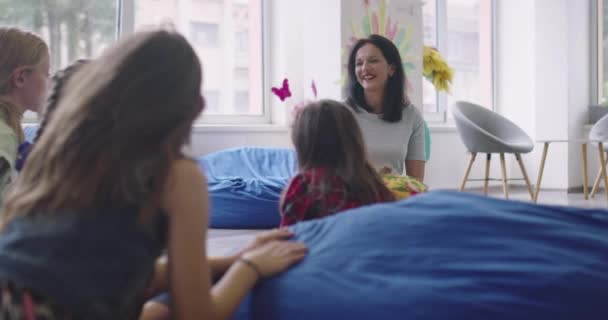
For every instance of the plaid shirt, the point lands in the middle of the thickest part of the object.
(316, 193)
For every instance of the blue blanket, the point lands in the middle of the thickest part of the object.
(445, 255)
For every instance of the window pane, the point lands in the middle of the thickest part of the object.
(603, 47)
(429, 20)
(73, 29)
(469, 51)
(227, 35)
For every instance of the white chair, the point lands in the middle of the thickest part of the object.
(485, 131)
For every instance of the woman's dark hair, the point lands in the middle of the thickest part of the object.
(326, 134)
(395, 99)
(60, 78)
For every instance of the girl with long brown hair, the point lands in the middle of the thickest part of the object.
(107, 188)
(335, 174)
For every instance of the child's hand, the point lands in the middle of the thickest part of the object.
(266, 237)
(275, 256)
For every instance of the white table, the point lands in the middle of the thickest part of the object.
(583, 143)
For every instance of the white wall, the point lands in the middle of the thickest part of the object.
(551, 100)
(515, 60)
(543, 80)
(579, 87)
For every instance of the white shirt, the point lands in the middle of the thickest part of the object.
(389, 144)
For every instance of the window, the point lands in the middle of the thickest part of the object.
(227, 35)
(601, 43)
(462, 32)
(73, 29)
(212, 101)
(205, 34)
(241, 42)
(241, 101)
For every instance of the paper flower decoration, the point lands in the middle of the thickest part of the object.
(378, 21)
(436, 70)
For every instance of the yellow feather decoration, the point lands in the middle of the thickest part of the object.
(436, 70)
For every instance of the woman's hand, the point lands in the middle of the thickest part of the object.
(274, 257)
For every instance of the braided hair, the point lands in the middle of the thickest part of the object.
(59, 81)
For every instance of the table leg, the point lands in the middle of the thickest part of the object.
(585, 181)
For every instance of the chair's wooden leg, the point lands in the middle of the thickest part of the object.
(585, 176)
(525, 174)
(603, 168)
(487, 175)
(503, 168)
(466, 175)
(596, 184)
(539, 179)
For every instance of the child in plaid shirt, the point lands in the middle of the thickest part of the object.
(335, 174)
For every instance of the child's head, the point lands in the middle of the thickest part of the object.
(326, 134)
(119, 125)
(60, 79)
(24, 69)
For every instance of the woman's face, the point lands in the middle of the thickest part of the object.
(35, 85)
(371, 68)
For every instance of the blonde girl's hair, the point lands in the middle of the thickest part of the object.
(19, 49)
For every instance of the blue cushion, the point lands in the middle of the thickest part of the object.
(245, 185)
(445, 255)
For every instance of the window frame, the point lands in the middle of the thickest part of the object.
(441, 34)
(126, 26)
(596, 51)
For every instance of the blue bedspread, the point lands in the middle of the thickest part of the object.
(445, 255)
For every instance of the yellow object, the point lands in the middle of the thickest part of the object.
(436, 70)
(403, 186)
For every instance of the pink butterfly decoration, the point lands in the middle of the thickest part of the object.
(314, 88)
(283, 92)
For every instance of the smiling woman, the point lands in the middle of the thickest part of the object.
(393, 129)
